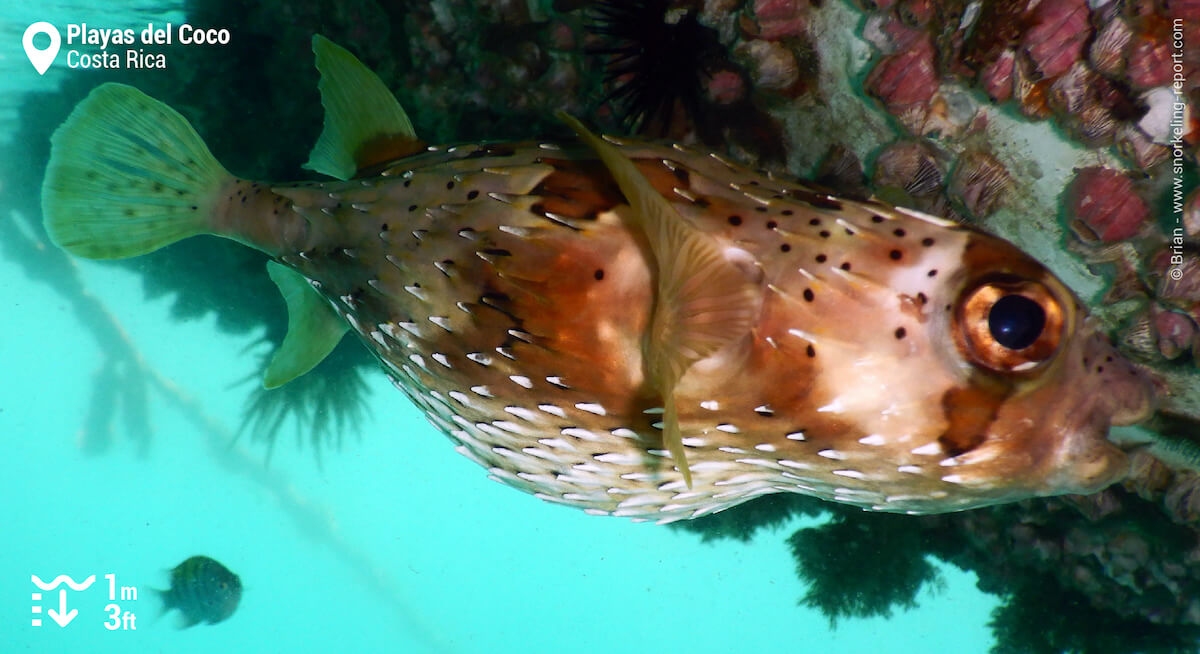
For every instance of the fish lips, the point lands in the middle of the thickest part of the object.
(1113, 391)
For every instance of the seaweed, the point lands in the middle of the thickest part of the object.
(862, 565)
(1040, 618)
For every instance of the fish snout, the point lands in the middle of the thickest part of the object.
(1125, 390)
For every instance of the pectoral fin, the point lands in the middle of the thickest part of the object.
(708, 296)
(314, 329)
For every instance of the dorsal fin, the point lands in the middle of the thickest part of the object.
(314, 329)
(705, 301)
(364, 124)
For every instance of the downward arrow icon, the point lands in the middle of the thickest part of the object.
(62, 616)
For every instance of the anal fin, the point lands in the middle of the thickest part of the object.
(314, 329)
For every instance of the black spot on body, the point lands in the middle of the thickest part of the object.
(809, 295)
(823, 234)
(815, 222)
(815, 200)
(785, 248)
(771, 224)
(901, 333)
(877, 219)
(449, 185)
(472, 195)
(845, 266)
(412, 207)
(735, 220)
(927, 242)
(898, 232)
(822, 258)
(599, 274)
(499, 150)
(895, 255)
(810, 351)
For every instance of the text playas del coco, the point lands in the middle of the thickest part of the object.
(184, 34)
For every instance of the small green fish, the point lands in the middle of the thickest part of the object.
(203, 590)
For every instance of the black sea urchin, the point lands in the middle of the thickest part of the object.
(326, 404)
(659, 58)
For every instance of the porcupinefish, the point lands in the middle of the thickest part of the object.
(634, 328)
(202, 590)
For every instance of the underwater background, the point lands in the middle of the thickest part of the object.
(392, 543)
(137, 436)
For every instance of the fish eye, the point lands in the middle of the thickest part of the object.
(1016, 321)
(1008, 325)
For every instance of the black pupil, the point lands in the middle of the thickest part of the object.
(1016, 321)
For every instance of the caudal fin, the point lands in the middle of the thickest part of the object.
(127, 175)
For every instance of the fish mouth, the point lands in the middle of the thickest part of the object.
(1110, 391)
(1124, 391)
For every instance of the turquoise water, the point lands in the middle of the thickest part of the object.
(395, 543)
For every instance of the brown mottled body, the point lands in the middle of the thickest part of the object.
(505, 292)
(631, 328)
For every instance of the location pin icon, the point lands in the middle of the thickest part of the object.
(41, 59)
